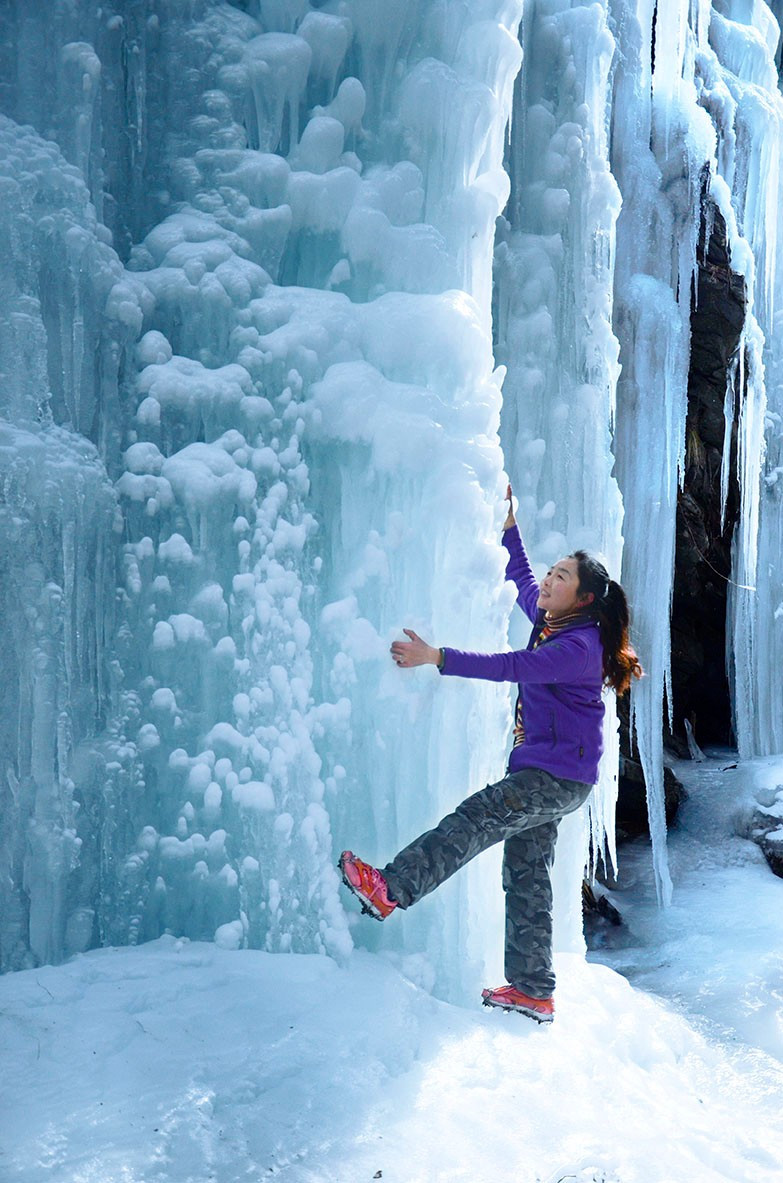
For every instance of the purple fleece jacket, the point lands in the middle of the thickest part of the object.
(560, 683)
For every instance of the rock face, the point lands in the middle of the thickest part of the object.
(631, 815)
(765, 826)
(703, 559)
(771, 843)
(600, 918)
(631, 818)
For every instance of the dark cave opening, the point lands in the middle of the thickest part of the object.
(700, 687)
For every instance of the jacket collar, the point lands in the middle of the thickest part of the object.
(577, 620)
(574, 620)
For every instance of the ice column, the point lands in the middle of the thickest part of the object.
(660, 141)
(555, 260)
(291, 383)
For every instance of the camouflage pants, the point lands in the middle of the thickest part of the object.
(523, 810)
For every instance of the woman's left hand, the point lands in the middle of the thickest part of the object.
(510, 518)
(414, 652)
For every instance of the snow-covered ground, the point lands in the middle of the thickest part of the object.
(177, 1062)
(717, 952)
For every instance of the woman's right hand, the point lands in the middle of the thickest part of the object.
(510, 519)
(414, 651)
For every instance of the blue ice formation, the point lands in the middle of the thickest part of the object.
(267, 356)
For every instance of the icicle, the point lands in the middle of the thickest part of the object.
(750, 436)
(646, 726)
(68, 545)
(277, 66)
(733, 389)
(603, 802)
(694, 750)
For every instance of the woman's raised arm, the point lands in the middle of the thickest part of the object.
(518, 567)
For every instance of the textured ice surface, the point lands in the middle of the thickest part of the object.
(252, 427)
(281, 392)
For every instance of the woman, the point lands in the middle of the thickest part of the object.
(578, 645)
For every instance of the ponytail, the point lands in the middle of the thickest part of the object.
(610, 609)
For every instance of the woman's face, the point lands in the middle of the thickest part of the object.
(559, 591)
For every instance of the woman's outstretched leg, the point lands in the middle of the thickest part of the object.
(479, 822)
(522, 800)
(487, 817)
(529, 797)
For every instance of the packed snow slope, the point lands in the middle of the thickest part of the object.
(186, 1062)
(178, 1062)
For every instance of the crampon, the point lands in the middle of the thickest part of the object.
(509, 998)
(367, 884)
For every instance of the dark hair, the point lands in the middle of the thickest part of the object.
(610, 608)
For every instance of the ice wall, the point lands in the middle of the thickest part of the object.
(63, 324)
(300, 424)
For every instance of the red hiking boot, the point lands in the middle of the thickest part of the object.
(509, 998)
(367, 884)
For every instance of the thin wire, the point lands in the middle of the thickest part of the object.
(733, 582)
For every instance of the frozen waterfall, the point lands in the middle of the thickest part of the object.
(277, 412)
(287, 288)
